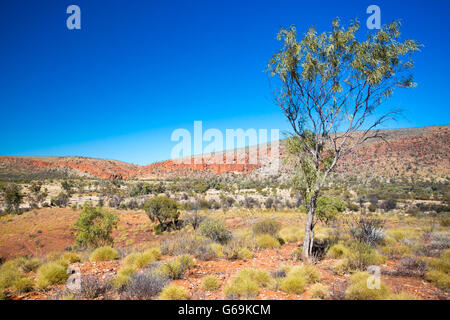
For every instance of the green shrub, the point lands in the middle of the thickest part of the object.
(139, 260)
(51, 273)
(293, 284)
(307, 272)
(267, 226)
(261, 277)
(8, 275)
(337, 251)
(210, 283)
(291, 234)
(22, 285)
(155, 252)
(71, 257)
(104, 254)
(94, 226)
(341, 267)
(359, 289)
(215, 230)
(442, 264)
(240, 287)
(122, 276)
(173, 292)
(30, 265)
(266, 241)
(439, 279)
(244, 254)
(319, 291)
(361, 255)
(163, 210)
(396, 251)
(174, 268)
(217, 249)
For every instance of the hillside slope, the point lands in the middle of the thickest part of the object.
(415, 151)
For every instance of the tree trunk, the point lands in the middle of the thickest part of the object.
(309, 234)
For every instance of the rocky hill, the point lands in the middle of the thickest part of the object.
(415, 151)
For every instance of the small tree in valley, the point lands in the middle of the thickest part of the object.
(94, 226)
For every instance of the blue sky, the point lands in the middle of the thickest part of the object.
(137, 70)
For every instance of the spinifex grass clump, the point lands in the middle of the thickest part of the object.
(51, 273)
(247, 283)
(210, 283)
(104, 254)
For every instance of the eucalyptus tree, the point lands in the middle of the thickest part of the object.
(331, 87)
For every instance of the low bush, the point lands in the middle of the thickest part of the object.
(361, 255)
(192, 244)
(104, 254)
(8, 275)
(341, 267)
(319, 291)
(293, 284)
(239, 288)
(360, 290)
(51, 273)
(139, 260)
(173, 292)
(91, 287)
(120, 280)
(267, 226)
(215, 230)
(217, 249)
(71, 257)
(403, 232)
(210, 283)
(291, 234)
(310, 273)
(266, 241)
(144, 286)
(30, 265)
(439, 279)
(396, 251)
(174, 269)
(337, 251)
(22, 285)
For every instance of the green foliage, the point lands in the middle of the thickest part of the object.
(140, 260)
(328, 208)
(51, 273)
(174, 268)
(94, 226)
(267, 226)
(71, 257)
(12, 196)
(361, 255)
(360, 290)
(215, 230)
(173, 292)
(104, 254)
(307, 272)
(439, 279)
(22, 285)
(319, 291)
(337, 251)
(162, 209)
(293, 284)
(266, 241)
(291, 234)
(122, 276)
(210, 283)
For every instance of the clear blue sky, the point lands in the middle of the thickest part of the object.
(137, 70)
